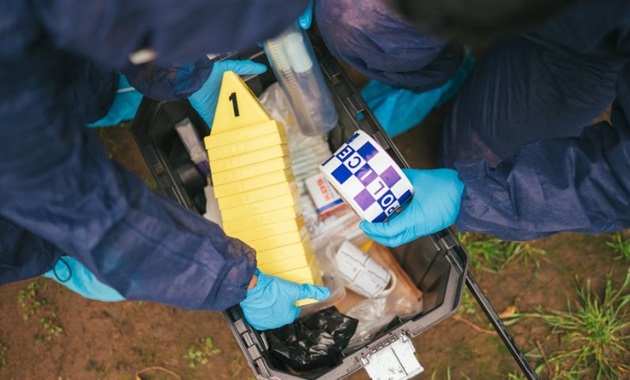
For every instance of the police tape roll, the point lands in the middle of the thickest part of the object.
(367, 178)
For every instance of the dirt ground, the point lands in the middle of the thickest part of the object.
(48, 332)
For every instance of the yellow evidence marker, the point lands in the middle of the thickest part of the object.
(286, 253)
(263, 207)
(256, 195)
(277, 241)
(245, 145)
(231, 139)
(231, 227)
(237, 106)
(273, 229)
(250, 158)
(255, 187)
(252, 183)
(292, 261)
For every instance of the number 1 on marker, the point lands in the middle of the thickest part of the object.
(234, 103)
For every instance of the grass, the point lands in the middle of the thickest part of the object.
(468, 306)
(620, 246)
(199, 354)
(492, 255)
(595, 333)
(447, 374)
(516, 376)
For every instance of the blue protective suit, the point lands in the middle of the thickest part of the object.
(519, 132)
(60, 192)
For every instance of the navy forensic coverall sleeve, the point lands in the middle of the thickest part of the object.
(579, 184)
(58, 183)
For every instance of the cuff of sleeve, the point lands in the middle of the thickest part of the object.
(169, 83)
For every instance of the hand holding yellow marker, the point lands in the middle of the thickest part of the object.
(255, 186)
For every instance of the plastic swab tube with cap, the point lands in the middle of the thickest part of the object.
(295, 66)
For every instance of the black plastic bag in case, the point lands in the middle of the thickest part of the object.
(313, 341)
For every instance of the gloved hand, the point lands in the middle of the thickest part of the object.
(271, 303)
(398, 109)
(74, 276)
(306, 18)
(204, 100)
(434, 206)
(123, 108)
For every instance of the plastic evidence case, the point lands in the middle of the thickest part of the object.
(437, 263)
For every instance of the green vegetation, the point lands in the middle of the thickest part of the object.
(100, 368)
(468, 306)
(595, 333)
(621, 247)
(491, 254)
(516, 376)
(32, 304)
(199, 354)
(50, 327)
(29, 300)
(448, 375)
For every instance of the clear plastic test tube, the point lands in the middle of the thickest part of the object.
(295, 66)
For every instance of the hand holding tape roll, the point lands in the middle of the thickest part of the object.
(367, 178)
(371, 182)
(435, 206)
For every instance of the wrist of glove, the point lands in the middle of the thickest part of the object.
(70, 273)
(204, 100)
(271, 302)
(434, 206)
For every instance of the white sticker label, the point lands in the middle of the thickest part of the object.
(360, 272)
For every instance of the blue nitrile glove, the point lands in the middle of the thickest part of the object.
(204, 100)
(306, 18)
(123, 108)
(74, 276)
(434, 206)
(398, 110)
(271, 303)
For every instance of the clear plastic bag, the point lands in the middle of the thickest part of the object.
(404, 300)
